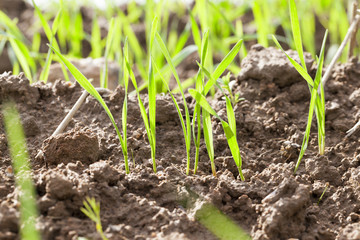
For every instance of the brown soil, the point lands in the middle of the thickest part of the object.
(272, 203)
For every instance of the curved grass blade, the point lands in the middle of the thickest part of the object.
(222, 66)
(314, 95)
(23, 55)
(183, 125)
(109, 40)
(141, 106)
(19, 45)
(229, 133)
(50, 35)
(81, 79)
(20, 161)
(166, 53)
(181, 42)
(298, 67)
(232, 140)
(177, 59)
(295, 26)
(197, 111)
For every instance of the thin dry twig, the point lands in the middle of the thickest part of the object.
(74, 109)
(341, 48)
(353, 129)
(353, 38)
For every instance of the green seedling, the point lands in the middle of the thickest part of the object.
(197, 110)
(186, 127)
(182, 39)
(230, 130)
(317, 101)
(77, 34)
(125, 104)
(109, 40)
(50, 33)
(19, 45)
(133, 44)
(84, 82)
(142, 110)
(152, 93)
(219, 224)
(226, 84)
(149, 121)
(36, 42)
(204, 89)
(63, 31)
(95, 40)
(230, 135)
(92, 210)
(323, 193)
(262, 21)
(21, 166)
(176, 60)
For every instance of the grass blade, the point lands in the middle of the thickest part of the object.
(203, 102)
(95, 40)
(92, 211)
(81, 79)
(23, 56)
(260, 23)
(295, 26)
(314, 95)
(166, 53)
(229, 133)
(183, 125)
(141, 106)
(110, 37)
(231, 137)
(125, 106)
(222, 66)
(209, 140)
(152, 92)
(176, 60)
(220, 224)
(298, 67)
(20, 160)
(195, 32)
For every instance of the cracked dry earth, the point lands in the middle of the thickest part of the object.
(272, 203)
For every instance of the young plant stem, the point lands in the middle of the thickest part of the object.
(186, 127)
(92, 210)
(209, 141)
(196, 120)
(21, 165)
(323, 193)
